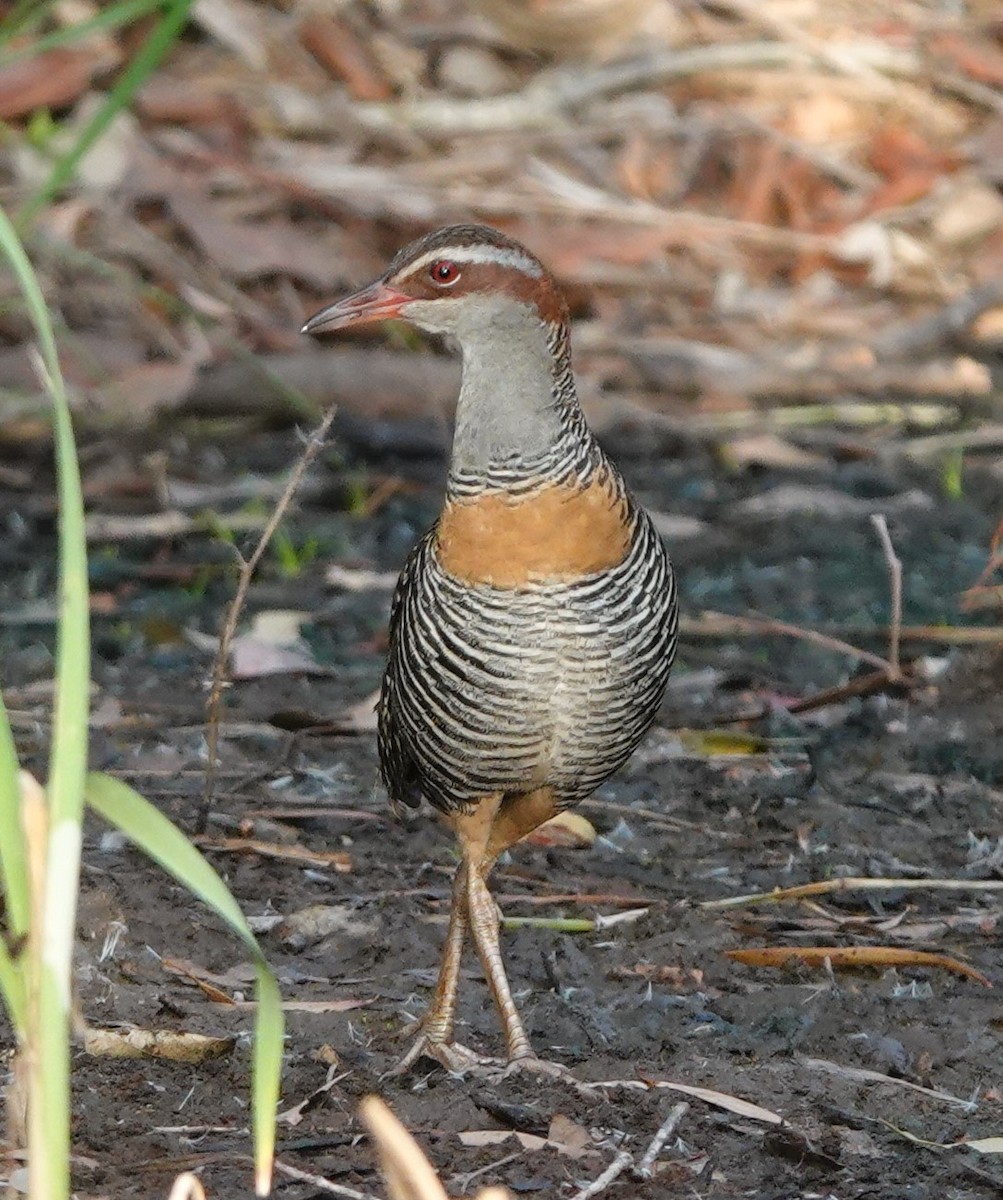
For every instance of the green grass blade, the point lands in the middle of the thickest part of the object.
(15, 1000)
(14, 869)
(157, 837)
(11, 246)
(49, 1132)
(13, 861)
(140, 66)
(105, 19)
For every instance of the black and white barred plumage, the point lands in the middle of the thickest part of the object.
(492, 690)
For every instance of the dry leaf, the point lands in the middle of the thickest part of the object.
(338, 859)
(826, 118)
(252, 658)
(569, 829)
(709, 743)
(293, 1116)
(53, 79)
(592, 29)
(246, 250)
(989, 1145)
(333, 43)
(239, 25)
(979, 60)
(495, 1137)
(767, 450)
(161, 1043)
(239, 976)
(678, 978)
(272, 646)
(319, 921)
(572, 1139)
(144, 390)
(969, 213)
(528, 1141)
(315, 1007)
(735, 1104)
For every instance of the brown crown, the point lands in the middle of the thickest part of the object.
(487, 262)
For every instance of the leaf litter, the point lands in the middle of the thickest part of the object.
(781, 237)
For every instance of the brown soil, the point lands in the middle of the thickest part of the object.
(904, 786)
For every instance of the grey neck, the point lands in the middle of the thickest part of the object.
(507, 408)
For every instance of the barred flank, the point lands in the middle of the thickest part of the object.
(502, 690)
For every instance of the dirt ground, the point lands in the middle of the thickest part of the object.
(876, 1073)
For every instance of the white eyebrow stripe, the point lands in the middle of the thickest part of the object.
(501, 255)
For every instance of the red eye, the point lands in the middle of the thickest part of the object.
(444, 271)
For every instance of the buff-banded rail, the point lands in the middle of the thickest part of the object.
(534, 625)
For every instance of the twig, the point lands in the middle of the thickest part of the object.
(463, 1182)
(623, 1160)
(721, 623)
(320, 1183)
(982, 594)
(865, 1075)
(825, 887)
(645, 1168)
(895, 576)
(863, 685)
(724, 625)
(247, 568)
(552, 94)
(111, 527)
(854, 956)
(379, 194)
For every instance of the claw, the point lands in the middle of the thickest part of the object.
(533, 1065)
(457, 1059)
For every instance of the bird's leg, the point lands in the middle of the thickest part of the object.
(435, 1029)
(438, 1020)
(435, 1037)
(516, 817)
(482, 916)
(484, 833)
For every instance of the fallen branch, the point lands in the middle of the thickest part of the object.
(723, 625)
(826, 887)
(854, 956)
(623, 1160)
(646, 1167)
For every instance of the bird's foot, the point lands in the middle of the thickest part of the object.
(457, 1059)
(532, 1064)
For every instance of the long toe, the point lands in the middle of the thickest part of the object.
(457, 1059)
(533, 1065)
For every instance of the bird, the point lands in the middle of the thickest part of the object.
(533, 627)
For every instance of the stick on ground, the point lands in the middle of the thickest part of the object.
(247, 568)
(895, 577)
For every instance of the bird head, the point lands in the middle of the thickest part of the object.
(467, 280)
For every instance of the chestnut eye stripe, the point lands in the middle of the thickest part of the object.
(463, 256)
